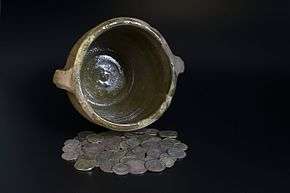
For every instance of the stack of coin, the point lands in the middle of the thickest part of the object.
(124, 152)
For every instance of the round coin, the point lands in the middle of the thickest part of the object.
(136, 166)
(123, 145)
(167, 161)
(139, 150)
(150, 144)
(84, 165)
(140, 131)
(127, 158)
(94, 138)
(154, 152)
(120, 169)
(107, 165)
(155, 165)
(69, 156)
(71, 148)
(168, 134)
(153, 139)
(72, 142)
(152, 131)
(165, 144)
(177, 153)
(148, 158)
(133, 142)
(181, 146)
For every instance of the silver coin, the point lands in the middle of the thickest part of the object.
(133, 142)
(69, 156)
(163, 155)
(72, 142)
(124, 145)
(84, 165)
(98, 160)
(129, 134)
(153, 152)
(167, 161)
(147, 158)
(94, 138)
(150, 144)
(177, 153)
(155, 165)
(92, 148)
(144, 137)
(115, 139)
(171, 140)
(113, 143)
(152, 139)
(168, 134)
(127, 158)
(140, 131)
(107, 165)
(152, 131)
(140, 156)
(84, 143)
(167, 155)
(117, 155)
(88, 156)
(120, 169)
(136, 166)
(181, 146)
(165, 144)
(71, 148)
(130, 153)
(139, 150)
(106, 155)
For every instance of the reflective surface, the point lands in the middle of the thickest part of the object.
(126, 75)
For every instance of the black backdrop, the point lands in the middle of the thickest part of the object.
(231, 105)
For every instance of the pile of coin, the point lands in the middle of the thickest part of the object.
(124, 152)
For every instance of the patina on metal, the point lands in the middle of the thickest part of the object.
(121, 74)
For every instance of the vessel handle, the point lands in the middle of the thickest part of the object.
(63, 79)
(179, 65)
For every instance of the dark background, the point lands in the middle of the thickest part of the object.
(231, 104)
